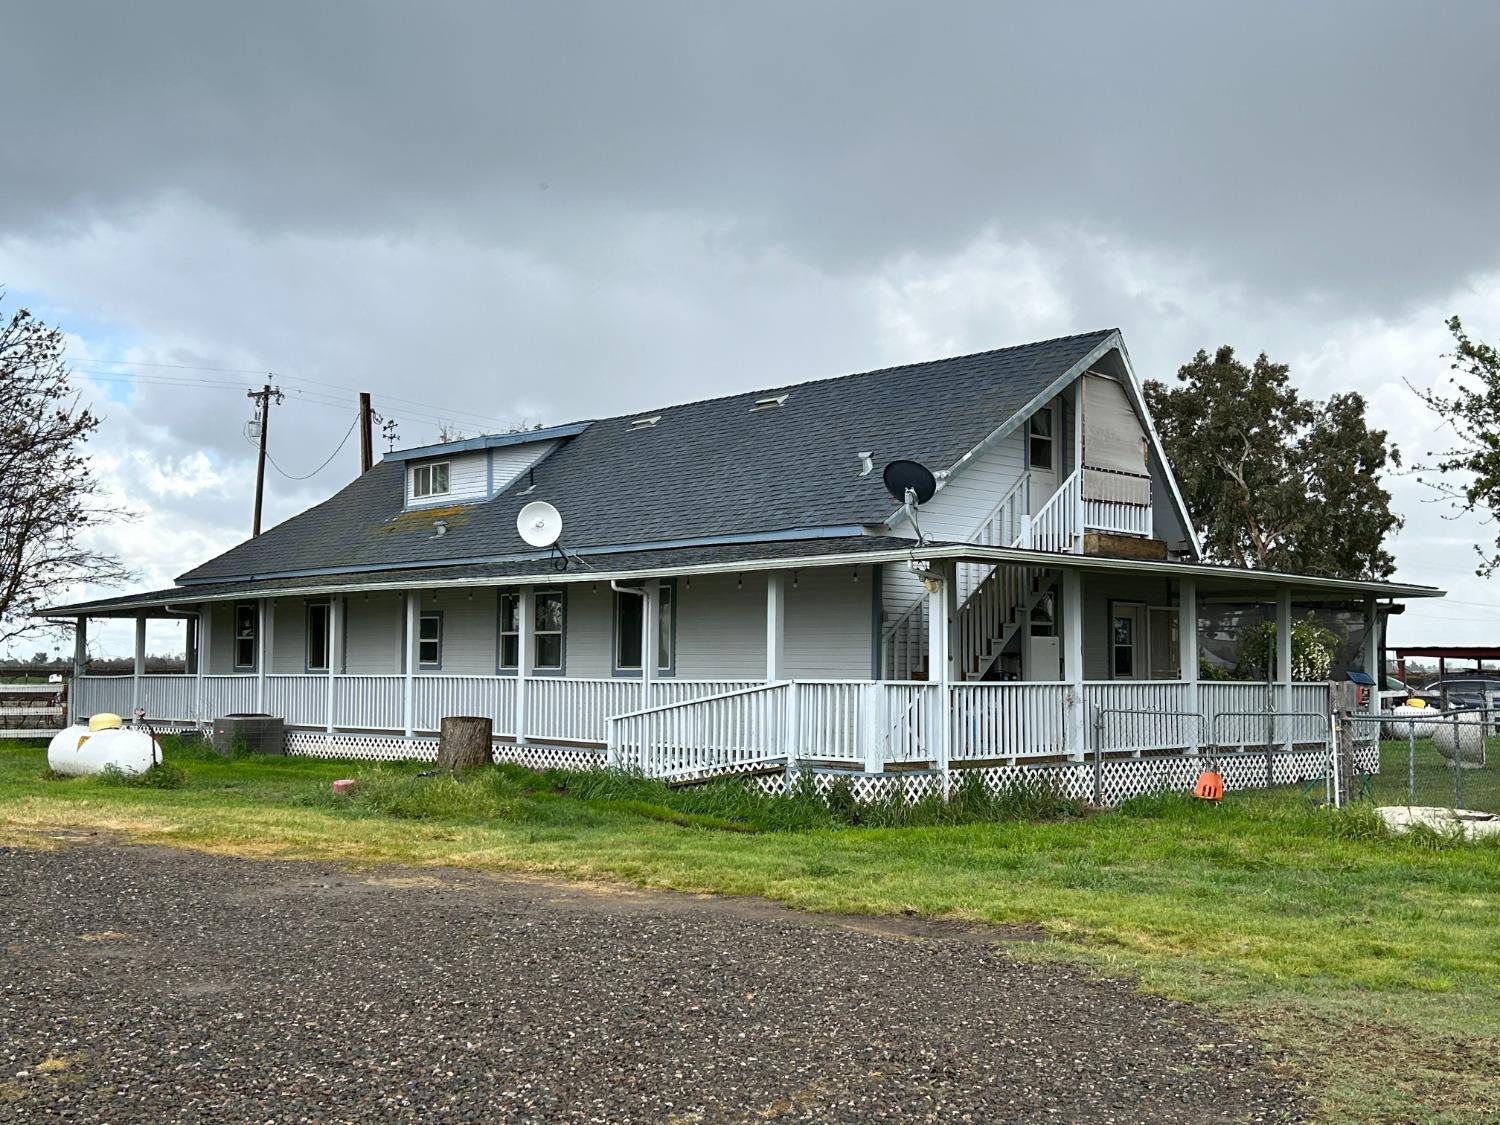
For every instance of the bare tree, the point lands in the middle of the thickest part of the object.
(47, 487)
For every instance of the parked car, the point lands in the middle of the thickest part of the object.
(1463, 692)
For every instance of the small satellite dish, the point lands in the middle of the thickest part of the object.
(539, 523)
(902, 477)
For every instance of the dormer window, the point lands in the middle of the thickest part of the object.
(429, 480)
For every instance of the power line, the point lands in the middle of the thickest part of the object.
(321, 467)
(442, 413)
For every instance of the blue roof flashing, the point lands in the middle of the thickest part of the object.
(488, 441)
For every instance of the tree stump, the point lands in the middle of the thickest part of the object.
(464, 741)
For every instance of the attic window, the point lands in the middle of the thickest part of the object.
(770, 403)
(645, 423)
(429, 480)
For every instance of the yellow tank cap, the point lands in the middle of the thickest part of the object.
(105, 721)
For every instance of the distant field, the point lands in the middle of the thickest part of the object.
(1370, 959)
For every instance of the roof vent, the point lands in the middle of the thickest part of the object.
(770, 403)
(866, 463)
(645, 423)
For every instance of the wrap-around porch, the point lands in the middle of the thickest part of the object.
(704, 671)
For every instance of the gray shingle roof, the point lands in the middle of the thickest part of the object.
(828, 552)
(709, 468)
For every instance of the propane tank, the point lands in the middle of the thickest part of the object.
(78, 750)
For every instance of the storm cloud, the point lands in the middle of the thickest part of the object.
(496, 213)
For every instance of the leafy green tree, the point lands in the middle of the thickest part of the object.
(1472, 411)
(48, 492)
(1274, 480)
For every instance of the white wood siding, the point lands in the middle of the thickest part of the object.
(587, 654)
(721, 630)
(478, 474)
(373, 627)
(510, 461)
(221, 639)
(1099, 590)
(957, 511)
(829, 624)
(470, 625)
(468, 480)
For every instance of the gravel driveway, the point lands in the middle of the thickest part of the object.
(144, 984)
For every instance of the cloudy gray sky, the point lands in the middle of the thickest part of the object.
(489, 213)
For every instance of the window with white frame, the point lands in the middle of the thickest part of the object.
(510, 632)
(318, 615)
(628, 611)
(549, 613)
(429, 480)
(1039, 440)
(246, 624)
(430, 639)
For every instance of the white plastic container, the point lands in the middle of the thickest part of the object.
(78, 751)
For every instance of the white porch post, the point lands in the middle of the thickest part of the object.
(80, 662)
(336, 610)
(775, 627)
(409, 661)
(138, 669)
(205, 616)
(1187, 653)
(525, 644)
(941, 593)
(264, 616)
(650, 635)
(1072, 638)
(1284, 659)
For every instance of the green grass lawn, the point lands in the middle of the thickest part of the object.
(1372, 961)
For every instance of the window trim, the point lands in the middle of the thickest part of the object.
(561, 631)
(501, 668)
(626, 673)
(253, 638)
(436, 615)
(326, 604)
(1050, 438)
(428, 468)
(1140, 651)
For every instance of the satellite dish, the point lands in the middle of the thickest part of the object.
(539, 523)
(902, 477)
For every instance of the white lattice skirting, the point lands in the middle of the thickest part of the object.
(1120, 779)
(393, 748)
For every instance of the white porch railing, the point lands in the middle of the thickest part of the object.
(299, 700)
(734, 729)
(576, 710)
(436, 696)
(172, 696)
(1055, 525)
(94, 694)
(370, 702)
(1009, 720)
(1140, 716)
(1117, 517)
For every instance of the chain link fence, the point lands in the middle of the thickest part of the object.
(1446, 759)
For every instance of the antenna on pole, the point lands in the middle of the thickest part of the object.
(263, 399)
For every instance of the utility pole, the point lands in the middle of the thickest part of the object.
(263, 398)
(366, 437)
